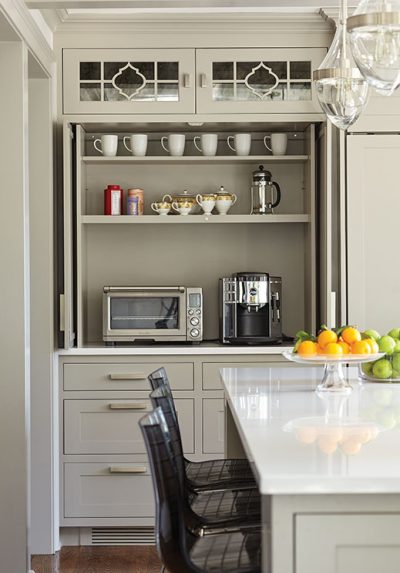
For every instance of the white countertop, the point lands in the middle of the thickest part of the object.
(267, 403)
(163, 350)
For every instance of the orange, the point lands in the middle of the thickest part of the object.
(373, 345)
(333, 348)
(307, 348)
(361, 347)
(320, 350)
(351, 334)
(326, 336)
(345, 347)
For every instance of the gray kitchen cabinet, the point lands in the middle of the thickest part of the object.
(363, 543)
(373, 204)
(269, 80)
(213, 426)
(104, 469)
(111, 426)
(128, 81)
(108, 490)
(113, 376)
(205, 81)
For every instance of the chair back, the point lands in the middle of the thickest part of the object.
(170, 529)
(158, 378)
(162, 398)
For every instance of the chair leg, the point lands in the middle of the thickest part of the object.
(162, 570)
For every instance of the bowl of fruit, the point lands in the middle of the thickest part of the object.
(332, 348)
(387, 368)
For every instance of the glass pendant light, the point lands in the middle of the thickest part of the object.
(374, 31)
(341, 89)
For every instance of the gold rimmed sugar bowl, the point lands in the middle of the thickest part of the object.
(224, 201)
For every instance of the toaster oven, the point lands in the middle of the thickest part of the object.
(156, 314)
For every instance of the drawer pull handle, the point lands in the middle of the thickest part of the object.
(127, 470)
(187, 80)
(127, 406)
(128, 376)
(203, 80)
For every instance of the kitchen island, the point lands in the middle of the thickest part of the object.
(328, 468)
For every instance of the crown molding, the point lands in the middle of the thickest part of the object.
(28, 29)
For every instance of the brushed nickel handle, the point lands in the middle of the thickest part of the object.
(203, 80)
(187, 80)
(127, 470)
(127, 406)
(128, 376)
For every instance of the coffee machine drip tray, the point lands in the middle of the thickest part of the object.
(254, 341)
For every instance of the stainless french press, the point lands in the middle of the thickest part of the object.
(262, 192)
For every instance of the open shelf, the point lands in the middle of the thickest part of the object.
(98, 160)
(191, 219)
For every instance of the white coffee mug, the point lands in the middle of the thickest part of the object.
(109, 145)
(242, 143)
(278, 143)
(138, 143)
(209, 143)
(176, 144)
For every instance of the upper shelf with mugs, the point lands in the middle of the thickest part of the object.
(194, 147)
(102, 160)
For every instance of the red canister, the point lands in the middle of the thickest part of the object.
(113, 200)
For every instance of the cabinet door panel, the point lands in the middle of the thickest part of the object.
(111, 426)
(128, 81)
(213, 426)
(108, 490)
(373, 205)
(347, 543)
(124, 376)
(257, 80)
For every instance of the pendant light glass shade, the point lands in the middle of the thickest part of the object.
(341, 89)
(374, 31)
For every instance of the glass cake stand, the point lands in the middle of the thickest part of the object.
(333, 379)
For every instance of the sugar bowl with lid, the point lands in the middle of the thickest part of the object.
(224, 201)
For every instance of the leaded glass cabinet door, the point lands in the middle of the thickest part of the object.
(257, 80)
(128, 81)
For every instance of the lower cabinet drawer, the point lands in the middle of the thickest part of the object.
(108, 490)
(213, 426)
(111, 426)
(124, 376)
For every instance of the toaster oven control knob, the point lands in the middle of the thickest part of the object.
(198, 311)
(190, 312)
(194, 321)
(194, 332)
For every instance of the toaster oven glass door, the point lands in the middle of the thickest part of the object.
(147, 315)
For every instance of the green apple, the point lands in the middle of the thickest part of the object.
(395, 374)
(367, 368)
(371, 334)
(394, 333)
(386, 344)
(382, 369)
(396, 362)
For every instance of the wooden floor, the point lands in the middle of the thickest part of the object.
(140, 559)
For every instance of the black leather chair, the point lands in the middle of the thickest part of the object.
(212, 474)
(206, 511)
(182, 552)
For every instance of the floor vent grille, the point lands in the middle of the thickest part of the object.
(121, 536)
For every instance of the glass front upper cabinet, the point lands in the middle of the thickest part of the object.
(128, 81)
(257, 80)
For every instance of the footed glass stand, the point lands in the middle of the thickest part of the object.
(334, 379)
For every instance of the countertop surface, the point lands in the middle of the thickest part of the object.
(302, 443)
(173, 350)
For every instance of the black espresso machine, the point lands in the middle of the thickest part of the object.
(250, 308)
